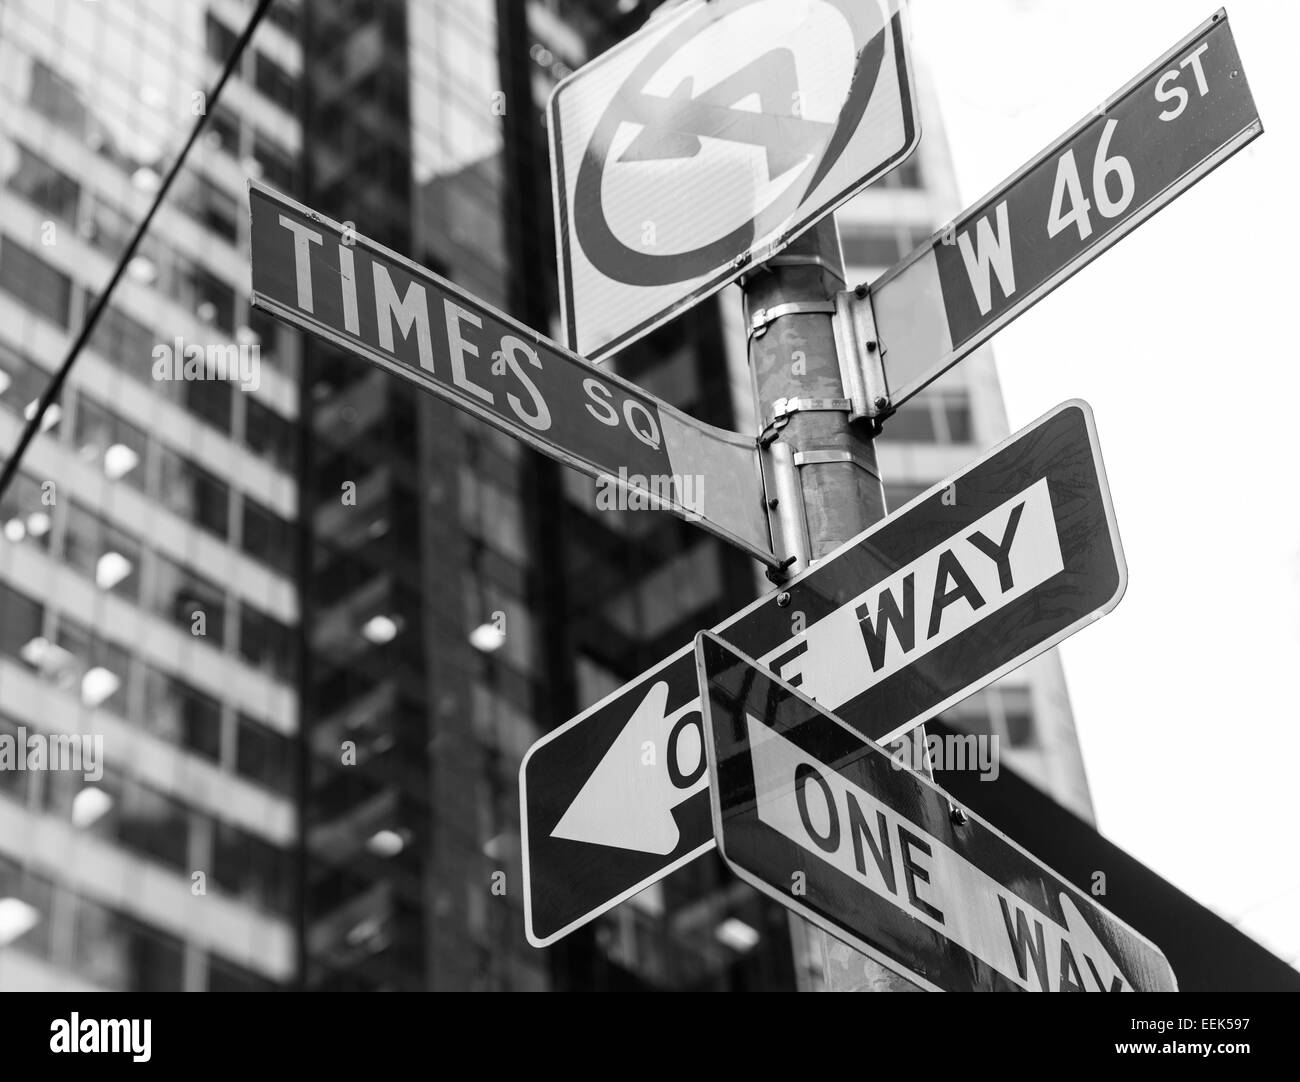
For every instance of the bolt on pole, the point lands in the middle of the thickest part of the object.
(824, 486)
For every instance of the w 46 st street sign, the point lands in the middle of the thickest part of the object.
(1181, 117)
(965, 583)
(325, 278)
(831, 826)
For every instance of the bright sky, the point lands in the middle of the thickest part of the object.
(1182, 338)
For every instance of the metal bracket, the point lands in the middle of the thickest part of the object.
(817, 457)
(785, 510)
(808, 260)
(759, 320)
(783, 407)
(861, 362)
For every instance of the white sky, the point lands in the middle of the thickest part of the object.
(1182, 338)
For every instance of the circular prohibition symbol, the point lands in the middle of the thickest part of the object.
(675, 124)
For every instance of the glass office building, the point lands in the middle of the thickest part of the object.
(317, 618)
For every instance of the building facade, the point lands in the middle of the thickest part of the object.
(147, 570)
(316, 617)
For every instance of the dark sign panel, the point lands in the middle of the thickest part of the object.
(835, 828)
(325, 278)
(968, 581)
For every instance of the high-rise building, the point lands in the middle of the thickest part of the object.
(318, 621)
(147, 584)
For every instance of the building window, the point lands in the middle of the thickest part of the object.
(226, 976)
(125, 342)
(106, 227)
(154, 825)
(89, 667)
(210, 400)
(250, 868)
(31, 933)
(102, 552)
(181, 595)
(878, 246)
(125, 811)
(119, 952)
(20, 629)
(13, 783)
(208, 204)
(214, 301)
(58, 100)
(266, 643)
(183, 715)
(269, 434)
(932, 417)
(116, 447)
(34, 282)
(223, 130)
(218, 39)
(21, 382)
(46, 187)
(263, 755)
(907, 175)
(193, 493)
(268, 537)
(1017, 716)
(273, 81)
(277, 165)
(1004, 711)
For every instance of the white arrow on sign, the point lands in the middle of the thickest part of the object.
(655, 764)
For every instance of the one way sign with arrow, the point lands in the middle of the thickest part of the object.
(834, 828)
(968, 581)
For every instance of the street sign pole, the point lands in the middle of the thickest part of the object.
(823, 482)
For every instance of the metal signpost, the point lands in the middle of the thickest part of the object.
(970, 580)
(834, 828)
(322, 277)
(707, 141)
(1185, 114)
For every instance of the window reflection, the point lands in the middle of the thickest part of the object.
(102, 552)
(115, 446)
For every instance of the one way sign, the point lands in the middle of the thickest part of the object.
(965, 583)
(829, 825)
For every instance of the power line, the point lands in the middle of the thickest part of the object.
(55, 385)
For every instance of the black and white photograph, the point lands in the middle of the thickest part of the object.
(583, 496)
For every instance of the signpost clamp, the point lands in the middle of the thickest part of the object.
(816, 456)
(783, 407)
(861, 364)
(759, 320)
(807, 259)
